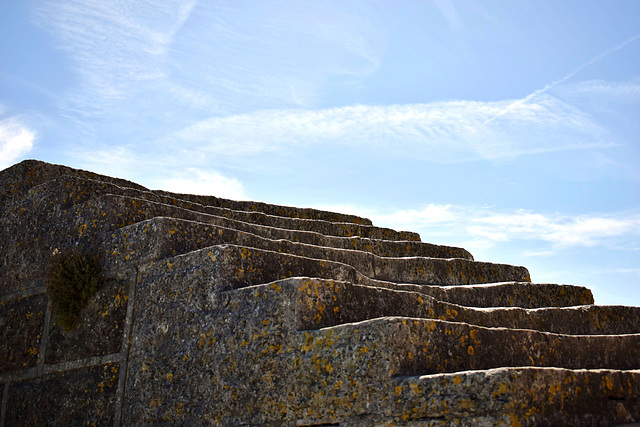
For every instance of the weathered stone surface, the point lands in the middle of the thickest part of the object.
(497, 397)
(169, 236)
(518, 294)
(423, 346)
(322, 303)
(19, 178)
(239, 313)
(79, 190)
(522, 396)
(100, 327)
(175, 236)
(78, 397)
(44, 225)
(21, 324)
(234, 343)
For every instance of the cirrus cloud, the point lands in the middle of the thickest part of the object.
(444, 132)
(16, 140)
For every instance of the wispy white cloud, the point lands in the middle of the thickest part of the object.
(626, 92)
(555, 83)
(116, 160)
(142, 51)
(450, 131)
(162, 172)
(561, 230)
(203, 182)
(116, 46)
(485, 227)
(16, 140)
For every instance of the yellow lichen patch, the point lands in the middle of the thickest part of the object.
(180, 409)
(414, 387)
(170, 376)
(457, 380)
(473, 334)
(308, 342)
(608, 382)
(470, 350)
(515, 422)
(398, 390)
(501, 389)
(277, 349)
(276, 287)
(245, 253)
(82, 229)
(328, 368)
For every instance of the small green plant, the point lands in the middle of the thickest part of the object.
(74, 277)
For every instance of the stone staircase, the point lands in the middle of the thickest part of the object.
(222, 312)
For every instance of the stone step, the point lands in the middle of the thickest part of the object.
(78, 190)
(53, 225)
(240, 266)
(175, 236)
(323, 303)
(19, 178)
(171, 236)
(523, 396)
(412, 346)
(244, 343)
(506, 294)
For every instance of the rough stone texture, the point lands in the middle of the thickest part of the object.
(100, 327)
(21, 323)
(220, 312)
(77, 397)
(28, 174)
(322, 303)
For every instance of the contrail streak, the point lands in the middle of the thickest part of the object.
(565, 78)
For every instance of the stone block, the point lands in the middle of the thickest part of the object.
(83, 396)
(99, 329)
(21, 328)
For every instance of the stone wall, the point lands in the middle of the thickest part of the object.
(217, 312)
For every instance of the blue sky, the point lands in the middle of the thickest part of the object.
(508, 128)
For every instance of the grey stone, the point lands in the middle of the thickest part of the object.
(221, 312)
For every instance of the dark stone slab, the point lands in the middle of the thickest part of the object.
(83, 396)
(25, 175)
(521, 396)
(21, 328)
(68, 190)
(509, 294)
(322, 303)
(99, 330)
(504, 396)
(420, 347)
(166, 237)
(47, 220)
(200, 356)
